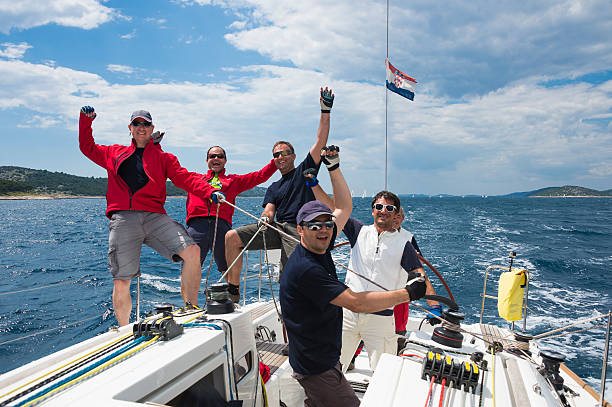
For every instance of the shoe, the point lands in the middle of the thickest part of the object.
(401, 344)
(351, 366)
(188, 308)
(234, 297)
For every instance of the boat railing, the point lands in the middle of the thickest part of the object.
(267, 259)
(484, 294)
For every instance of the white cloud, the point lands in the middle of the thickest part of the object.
(24, 14)
(463, 47)
(129, 35)
(14, 51)
(525, 134)
(120, 68)
(42, 122)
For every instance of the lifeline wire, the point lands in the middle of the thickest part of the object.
(212, 251)
(50, 285)
(51, 329)
(291, 237)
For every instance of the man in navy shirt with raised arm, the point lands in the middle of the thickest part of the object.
(312, 298)
(283, 199)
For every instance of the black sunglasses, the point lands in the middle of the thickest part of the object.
(141, 124)
(319, 225)
(222, 156)
(389, 208)
(284, 153)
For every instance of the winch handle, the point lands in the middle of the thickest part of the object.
(452, 305)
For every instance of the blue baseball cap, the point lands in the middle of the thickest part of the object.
(311, 210)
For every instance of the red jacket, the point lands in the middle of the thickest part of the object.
(158, 165)
(231, 186)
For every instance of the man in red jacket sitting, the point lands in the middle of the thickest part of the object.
(202, 213)
(135, 199)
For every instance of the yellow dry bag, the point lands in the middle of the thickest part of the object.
(510, 294)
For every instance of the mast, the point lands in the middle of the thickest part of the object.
(386, 98)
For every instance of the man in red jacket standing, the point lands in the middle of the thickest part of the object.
(202, 213)
(135, 199)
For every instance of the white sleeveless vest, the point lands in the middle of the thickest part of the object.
(378, 258)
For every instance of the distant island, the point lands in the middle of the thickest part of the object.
(19, 182)
(27, 183)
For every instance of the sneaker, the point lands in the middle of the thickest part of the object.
(188, 308)
(234, 297)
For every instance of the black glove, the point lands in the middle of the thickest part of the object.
(326, 100)
(89, 111)
(158, 136)
(437, 311)
(217, 197)
(332, 158)
(416, 285)
(311, 177)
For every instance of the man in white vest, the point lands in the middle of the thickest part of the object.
(384, 255)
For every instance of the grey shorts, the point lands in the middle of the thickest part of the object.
(274, 239)
(128, 230)
(329, 388)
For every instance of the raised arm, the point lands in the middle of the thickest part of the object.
(343, 203)
(248, 181)
(87, 145)
(326, 100)
(317, 190)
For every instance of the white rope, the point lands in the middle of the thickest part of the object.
(51, 329)
(241, 253)
(212, 251)
(51, 285)
(570, 326)
(297, 240)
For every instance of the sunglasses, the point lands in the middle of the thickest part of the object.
(141, 124)
(319, 225)
(221, 156)
(284, 153)
(389, 208)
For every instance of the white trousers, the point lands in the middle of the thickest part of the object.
(376, 331)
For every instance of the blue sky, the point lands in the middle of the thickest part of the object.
(511, 97)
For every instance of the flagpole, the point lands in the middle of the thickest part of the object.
(386, 99)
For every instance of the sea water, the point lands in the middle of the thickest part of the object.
(59, 248)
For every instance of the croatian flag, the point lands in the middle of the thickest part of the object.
(399, 82)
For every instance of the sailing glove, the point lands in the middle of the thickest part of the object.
(158, 136)
(311, 177)
(437, 311)
(217, 197)
(263, 221)
(89, 111)
(416, 285)
(326, 100)
(331, 159)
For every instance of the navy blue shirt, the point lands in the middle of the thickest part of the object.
(314, 326)
(132, 171)
(290, 192)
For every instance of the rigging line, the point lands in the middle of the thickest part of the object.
(85, 360)
(386, 98)
(571, 325)
(573, 332)
(50, 285)
(52, 329)
(297, 240)
(270, 280)
(79, 376)
(212, 251)
(243, 250)
(86, 356)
